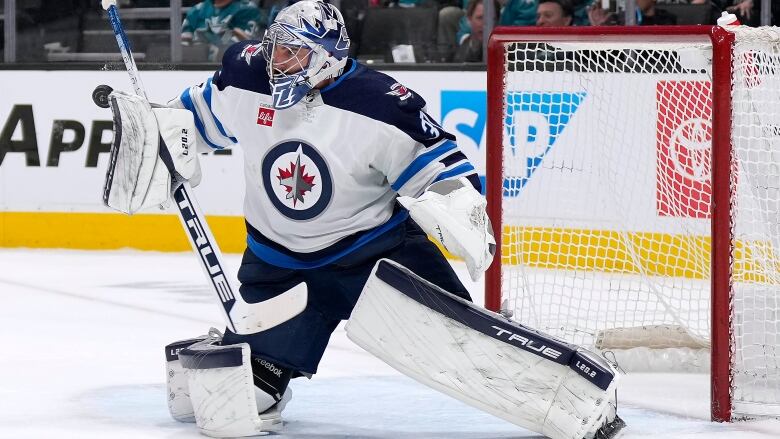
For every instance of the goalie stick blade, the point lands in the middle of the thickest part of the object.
(251, 318)
(100, 95)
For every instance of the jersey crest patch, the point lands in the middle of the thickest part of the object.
(250, 51)
(399, 90)
(297, 180)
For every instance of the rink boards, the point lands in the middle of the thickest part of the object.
(54, 146)
(54, 149)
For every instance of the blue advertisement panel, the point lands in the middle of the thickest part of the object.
(535, 120)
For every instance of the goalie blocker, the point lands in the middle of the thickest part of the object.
(483, 359)
(137, 176)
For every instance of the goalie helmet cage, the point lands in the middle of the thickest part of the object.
(632, 180)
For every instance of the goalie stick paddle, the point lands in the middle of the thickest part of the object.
(241, 317)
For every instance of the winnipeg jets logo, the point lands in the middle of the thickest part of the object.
(399, 90)
(295, 180)
(250, 51)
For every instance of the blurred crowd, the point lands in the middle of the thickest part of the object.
(380, 30)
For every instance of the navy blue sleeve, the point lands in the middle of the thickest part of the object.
(434, 154)
(244, 67)
(382, 98)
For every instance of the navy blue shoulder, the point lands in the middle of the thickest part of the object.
(244, 67)
(378, 96)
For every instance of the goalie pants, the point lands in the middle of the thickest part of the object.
(334, 289)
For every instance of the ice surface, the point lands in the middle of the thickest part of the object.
(83, 358)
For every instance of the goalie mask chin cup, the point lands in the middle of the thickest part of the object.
(289, 90)
(313, 26)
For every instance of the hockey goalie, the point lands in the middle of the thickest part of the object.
(346, 177)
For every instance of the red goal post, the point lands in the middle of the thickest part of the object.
(563, 78)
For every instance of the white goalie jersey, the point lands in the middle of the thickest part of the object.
(331, 165)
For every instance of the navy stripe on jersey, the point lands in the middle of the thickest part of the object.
(207, 97)
(460, 170)
(475, 181)
(453, 158)
(186, 99)
(421, 162)
(283, 259)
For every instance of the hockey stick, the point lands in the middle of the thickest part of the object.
(241, 317)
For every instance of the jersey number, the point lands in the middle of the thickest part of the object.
(429, 126)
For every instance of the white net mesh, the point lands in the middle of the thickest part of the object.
(756, 142)
(606, 207)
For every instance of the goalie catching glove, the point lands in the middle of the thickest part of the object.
(453, 213)
(145, 138)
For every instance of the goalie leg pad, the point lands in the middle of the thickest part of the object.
(482, 358)
(222, 389)
(179, 404)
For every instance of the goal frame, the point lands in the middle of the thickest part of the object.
(722, 340)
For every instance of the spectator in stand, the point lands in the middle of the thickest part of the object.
(464, 28)
(519, 13)
(749, 11)
(523, 12)
(743, 9)
(450, 18)
(556, 13)
(220, 23)
(580, 15)
(470, 48)
(646, 15)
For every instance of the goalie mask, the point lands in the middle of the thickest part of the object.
(306, 44)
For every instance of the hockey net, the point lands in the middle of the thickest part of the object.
(602, 161)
